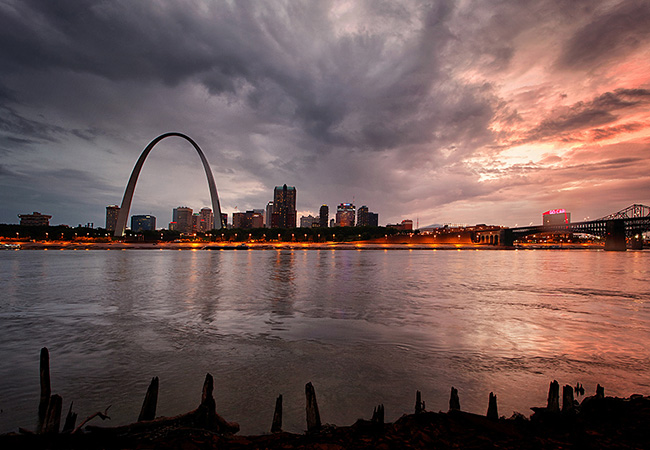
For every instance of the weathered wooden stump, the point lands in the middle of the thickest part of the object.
(46, 391)
(454, 401)
(600, 391)
(53, 415)
(276, 426)
(553, 402)
(492, 412)
(148, 411)
(419, 404)
(70, 421)
(378, 415)
(567, 400)
(313, 416)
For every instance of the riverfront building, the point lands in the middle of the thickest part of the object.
(556, 217)
(112, 211)
(324, 215)
(143, 223)
(345, 215)
(35, 220)
(284, 207)
(182, 220)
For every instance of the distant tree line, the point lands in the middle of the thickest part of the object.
(66, 233)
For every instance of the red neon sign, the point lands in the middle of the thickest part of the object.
(555, 211)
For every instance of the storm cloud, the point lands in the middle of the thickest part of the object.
(414, 108)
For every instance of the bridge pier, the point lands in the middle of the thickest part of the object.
(636, 242)
(615, 235)
(506, 237)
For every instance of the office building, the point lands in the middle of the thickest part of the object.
(345, 215)
(556, 217)
(35, 219)
(206, 220)
(182, 219)
(248, 219)
(309, 221)
(268, 215)
(373, 219)
(323, 216)
(367, 218)
(143, 223)
(112, 211)
(284, 207)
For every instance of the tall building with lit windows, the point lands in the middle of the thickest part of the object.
(284, 207)
(345, 215)
(206, 220)
(112, 211)
(324, 215)
(143, 223)
(182, 219)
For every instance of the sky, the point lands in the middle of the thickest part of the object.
(437, 111)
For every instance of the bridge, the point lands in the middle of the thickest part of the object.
(616, 228)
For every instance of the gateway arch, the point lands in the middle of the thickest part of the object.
(123, 215)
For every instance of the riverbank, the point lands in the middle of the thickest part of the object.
(237, 246)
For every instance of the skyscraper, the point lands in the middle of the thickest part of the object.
(284, 207)
(268, 215)
(324, 216)
(206, 222)
(182, 217)
(112, 212)
(362, 216)
(143, 223)
(345, 215)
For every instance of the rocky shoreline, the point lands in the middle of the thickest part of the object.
(597, 422)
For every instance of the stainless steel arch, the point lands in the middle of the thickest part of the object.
(130, 187)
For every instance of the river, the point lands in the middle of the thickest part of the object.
(365, 327)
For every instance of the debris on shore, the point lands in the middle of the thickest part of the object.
(597, 422)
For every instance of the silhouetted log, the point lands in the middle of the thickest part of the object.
(492, 412)
(313, 416)
(101, 415)
(419, 404)
(148, 411)
(276, 426)
(45, 388)
(204, 417)
(600, 391)
(378, 415)
(553, 403)
(567, 400)
(70, 421)
(53, 415)
(454, 401)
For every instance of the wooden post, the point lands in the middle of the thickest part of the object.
(45, 388)
(553, 402)
(567, 400)
(600, 391)
(276, 426)
(454, 401)
(492, 412)
(313, 416)
(378, 415)
(70, 421)
(419, 404)
(53, 415)
(148, 411)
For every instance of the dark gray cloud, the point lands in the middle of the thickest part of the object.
(610, 35)
(386, 101)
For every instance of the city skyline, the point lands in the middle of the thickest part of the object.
(441, 111)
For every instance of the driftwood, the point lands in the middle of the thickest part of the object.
(70, 421)
(313, 416)
(553, 402)
(567, 400)
(204, 417)
(148, 411)
(53, 415)
(419, 404)
(492, 412)
(454, 401)
(378, 415)
(600, 391)
(276, 426)
(101, 415)
(45, 388)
